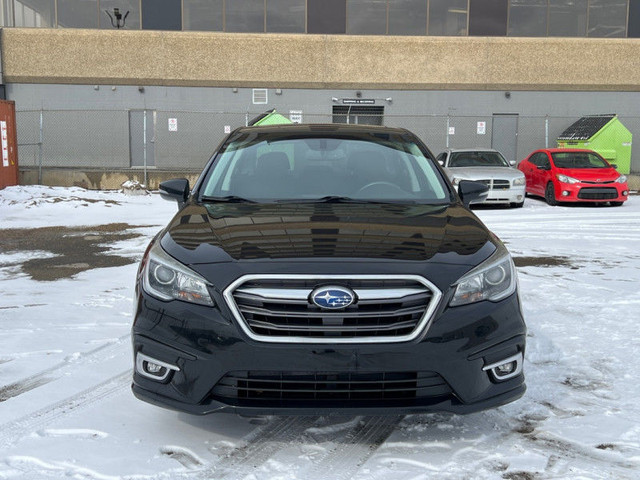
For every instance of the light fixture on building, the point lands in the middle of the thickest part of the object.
(141, 89)
(234, 90)
(96, 87)
(389, 100)
(507, 94)
(278, 91)
(334, 99)
(117, 20)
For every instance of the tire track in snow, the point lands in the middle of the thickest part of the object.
(344, 460)
(57, 371)
(278, 434)
(13, 431)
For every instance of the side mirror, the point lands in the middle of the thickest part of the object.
(614, 165)
(472, 192)
(176, 189)
(441, 162)
(512, 163)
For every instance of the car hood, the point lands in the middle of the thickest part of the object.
(484, 173)
(599, 175)
(215, 233)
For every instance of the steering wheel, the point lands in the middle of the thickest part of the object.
(380, 188)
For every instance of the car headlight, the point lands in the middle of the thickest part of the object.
(519, 181)
(167, 279)
(566, 179)
(494, 279)
(621, 179)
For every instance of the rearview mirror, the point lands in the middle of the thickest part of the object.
(472, 192)
(176, 189)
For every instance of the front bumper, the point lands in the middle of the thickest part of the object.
(511, 195)
(589, 192)
(439, 371)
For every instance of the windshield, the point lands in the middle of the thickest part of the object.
(477, 159)
(578, 160)
(267, 166)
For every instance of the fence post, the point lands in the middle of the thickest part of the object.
(144, 145)
(448, 123)
(40, 141)
(546, 131)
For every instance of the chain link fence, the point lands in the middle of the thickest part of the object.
(182, 141)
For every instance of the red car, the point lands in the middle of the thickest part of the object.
(573, 175)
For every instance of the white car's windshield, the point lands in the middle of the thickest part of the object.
(477, 159)
(265, 166)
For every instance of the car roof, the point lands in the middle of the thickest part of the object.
(565, 150)
(330, 128)
(472, 150)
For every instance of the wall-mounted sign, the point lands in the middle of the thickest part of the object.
(482, 128)
(359, 101)
(227, 129)
(452, 130)
(173, 124)
(295, 116)
(5, 144)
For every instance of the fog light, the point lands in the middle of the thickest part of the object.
(519, 197)
(505, 369)
(625, 193)
(565, 193)
(155, 369)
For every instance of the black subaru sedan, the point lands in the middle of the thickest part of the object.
(317, 269)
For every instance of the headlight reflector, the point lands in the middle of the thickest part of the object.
(621, 179)
(519, 181)
(167, 279)
(494, 279)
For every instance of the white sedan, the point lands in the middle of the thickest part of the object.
(506, 183)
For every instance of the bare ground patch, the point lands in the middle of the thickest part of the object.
(76, 249)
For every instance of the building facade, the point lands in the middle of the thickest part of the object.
(98, 104)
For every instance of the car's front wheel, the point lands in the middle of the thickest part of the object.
(516, 204)
(616, 204)
(550, 195)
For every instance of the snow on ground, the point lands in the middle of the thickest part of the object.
(66, 410)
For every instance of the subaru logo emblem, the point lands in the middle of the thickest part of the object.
(333, 297)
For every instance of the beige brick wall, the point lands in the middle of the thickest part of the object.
(79, 56)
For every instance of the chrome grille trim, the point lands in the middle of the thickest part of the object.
(366, 297)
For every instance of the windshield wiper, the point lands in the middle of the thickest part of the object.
(227, 199)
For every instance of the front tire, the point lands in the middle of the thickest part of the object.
(517, 204)
(550, 195)
(616, 204)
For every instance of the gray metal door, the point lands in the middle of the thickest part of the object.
(504, 135)
(142, 128)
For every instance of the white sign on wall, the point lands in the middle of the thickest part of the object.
(295, 116)
(227, 129)
(482, 128)
(452, 130)
(5, 144)
(173, 124)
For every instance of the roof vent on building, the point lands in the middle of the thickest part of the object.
(259, 96)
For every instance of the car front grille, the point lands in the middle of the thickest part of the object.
(495, 184)
(608, 182)
(590, 193)
(278, 308)
(349, 388)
